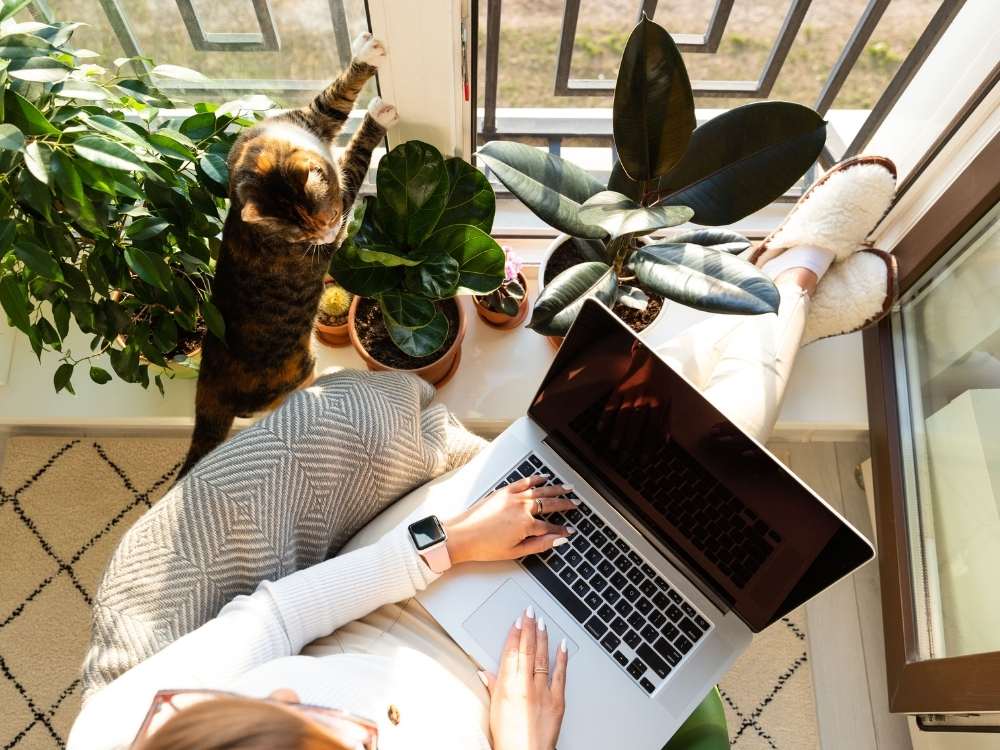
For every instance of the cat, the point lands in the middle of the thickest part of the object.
(288, 199)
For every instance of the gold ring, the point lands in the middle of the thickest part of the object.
(540, 505)
(541, 670)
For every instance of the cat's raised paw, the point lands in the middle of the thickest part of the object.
(383, 113)
(367, 49)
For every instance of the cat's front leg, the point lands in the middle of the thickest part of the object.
(329, 111)
(369, 50)
(357, 156)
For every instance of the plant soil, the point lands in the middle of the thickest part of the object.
(188, 342)
(566, 256)
(374, 336)
(329, 320)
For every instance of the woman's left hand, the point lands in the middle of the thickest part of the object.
(505, 524)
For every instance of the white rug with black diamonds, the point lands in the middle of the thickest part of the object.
(66, 500)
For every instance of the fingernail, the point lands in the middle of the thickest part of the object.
(517, 622)
(482, 678)
(541, 624)
(562, 646)
(530, 612)
(560, 542)
(575, 500)
(569, 529)
(568, 487)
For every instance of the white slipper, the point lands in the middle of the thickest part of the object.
(837, 213)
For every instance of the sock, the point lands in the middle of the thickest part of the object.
(816, 259)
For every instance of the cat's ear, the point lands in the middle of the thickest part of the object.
(250, 213)
(306, 173)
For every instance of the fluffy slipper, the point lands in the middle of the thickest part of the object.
(837, 212)
(853, 294)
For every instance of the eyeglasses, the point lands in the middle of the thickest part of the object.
(353, 731)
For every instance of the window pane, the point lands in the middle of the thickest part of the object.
(947, 343)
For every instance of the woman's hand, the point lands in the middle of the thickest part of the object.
(526, 711)
(504, 525)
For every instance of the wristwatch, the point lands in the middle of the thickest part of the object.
(430, 539)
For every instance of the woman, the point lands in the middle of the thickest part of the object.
(243, 680)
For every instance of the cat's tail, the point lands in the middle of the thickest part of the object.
(211, 426)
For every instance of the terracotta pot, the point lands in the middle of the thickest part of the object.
(332, 335)
(502, 320)
(558, 242)
(437, 372)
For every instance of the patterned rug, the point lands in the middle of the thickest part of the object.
(66, 500)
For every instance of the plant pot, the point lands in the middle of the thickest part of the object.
(550, 251)
(502, 320)
(437, 372)
(336, 335)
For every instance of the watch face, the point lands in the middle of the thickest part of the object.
(427, 532)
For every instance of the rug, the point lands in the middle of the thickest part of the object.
(66, 500)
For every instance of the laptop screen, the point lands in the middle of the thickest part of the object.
(687, 477)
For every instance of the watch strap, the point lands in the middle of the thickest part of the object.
(437, 557)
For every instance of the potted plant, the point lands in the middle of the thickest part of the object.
(668, 172)
(421, 241)
(331, 318)
(507, 305)
(110, 214)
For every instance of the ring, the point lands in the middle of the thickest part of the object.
(540, 505)
(541, 670)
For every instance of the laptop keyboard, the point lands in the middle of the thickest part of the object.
(641, 621)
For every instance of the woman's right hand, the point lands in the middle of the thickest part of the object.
(526, 710)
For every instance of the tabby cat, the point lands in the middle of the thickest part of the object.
(289, 196)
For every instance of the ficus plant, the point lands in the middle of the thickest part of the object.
(668, 172)
(111, 207)
(421, 239)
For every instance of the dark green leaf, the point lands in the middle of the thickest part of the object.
(48, 333)
(26, 116)
(99, 375)
(480, 258)
(654, 105)
(422, 341)
(8, 230)
(619, 215)
(67, 180)
(703, 278)
(11, 139)
(213, 319)
(116, 129)
(550, 186)
(470, 197)
(357, 276)
(215, 172)
(436, 278)
(622, 183)
(60, 314)
(38, 259)
(412, 189)
(169, 146)
(198, 127)
(146, 227)
(743, 159)
(37, 158)
(62, 376)
(107, 153)
(15, 301)
(34, 197)
(148, 267)
(409, 310)
(560, 301)
(373, 246)
(590, 249)
(720, 239)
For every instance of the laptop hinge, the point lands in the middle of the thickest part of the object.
(595, 480)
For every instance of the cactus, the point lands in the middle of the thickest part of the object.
(334, 303)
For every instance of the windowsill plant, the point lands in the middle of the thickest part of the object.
(416, 245)
(669, 172)
(506, 306)
(331, 318)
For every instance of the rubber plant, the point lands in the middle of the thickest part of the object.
(110, 211)
(668, 172)
(421, 239)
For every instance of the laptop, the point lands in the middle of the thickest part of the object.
(689, 538)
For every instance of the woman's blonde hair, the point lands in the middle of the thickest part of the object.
(233, 723)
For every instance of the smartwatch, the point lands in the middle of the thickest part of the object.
(430, 539)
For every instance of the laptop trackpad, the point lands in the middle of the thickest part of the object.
(490, 623)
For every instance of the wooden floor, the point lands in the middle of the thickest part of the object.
(845, 623)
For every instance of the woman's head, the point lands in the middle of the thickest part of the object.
(230, 722)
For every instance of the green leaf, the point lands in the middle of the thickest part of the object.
(61, 314)
(38, 69)
(37, 259)
(146, 227)
(26, 116)
(719, 239)
(199, 126)
(480, 258)
(436, 278)
(107, 153)
(622, 183)
(8, 230)
(12, 7)
(37, 158)
(560, 301)
(34, 196)
(115, 128)
(99, 375)
(62, 376)
(418, 342)
(67, 180)
(86, 90)
(148, 267)
(632, 296)
(470, 197)
(216, 173)
(744, 159)
(704, 279)
(410, 310)
(14, 300)
(550, 186)
(170, 146)
(213, 319)
(360, 277)
(619, 215)
(654, 107)
(412, 188)
(11, 139)
(178, 73)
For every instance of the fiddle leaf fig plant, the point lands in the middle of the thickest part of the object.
(110, 213)
(668, 172)
(421, 239)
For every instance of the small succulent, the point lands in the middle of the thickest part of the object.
(506, 299)
(335, 302)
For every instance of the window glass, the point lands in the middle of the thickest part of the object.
(947, 345)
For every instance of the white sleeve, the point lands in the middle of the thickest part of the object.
(277, 620)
